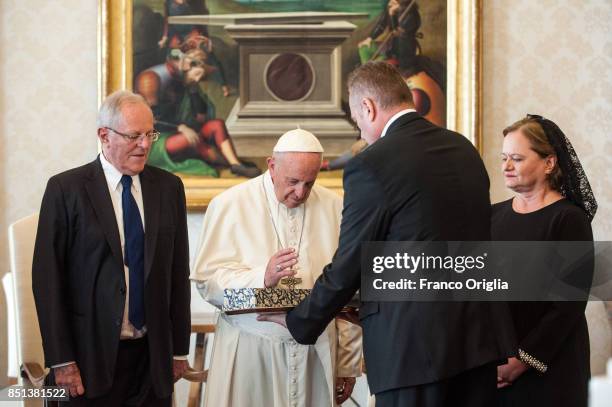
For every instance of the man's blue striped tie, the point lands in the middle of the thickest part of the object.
(134, 253)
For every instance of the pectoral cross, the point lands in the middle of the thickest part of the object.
(291, 282)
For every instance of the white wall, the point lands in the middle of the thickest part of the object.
(553, 58)
(47, 104)
(47, 99)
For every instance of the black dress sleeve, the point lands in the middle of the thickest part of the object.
(181, 288)
(50, 274)
(542, 343)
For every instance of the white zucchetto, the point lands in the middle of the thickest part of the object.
(298, 141)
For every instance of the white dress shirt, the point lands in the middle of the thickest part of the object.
(115, 188)
(394, 118)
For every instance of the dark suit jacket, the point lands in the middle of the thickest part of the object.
(418, 183)
(78, 276)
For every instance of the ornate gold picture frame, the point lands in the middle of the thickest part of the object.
(463, 75)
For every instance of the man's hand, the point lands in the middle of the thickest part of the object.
(393, 7)
(69, 376)
(508, 373)
(344, 388)
(190, 134)
(278, 317)
(179, 367)
(279, 266)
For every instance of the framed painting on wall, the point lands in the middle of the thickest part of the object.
(225, 78)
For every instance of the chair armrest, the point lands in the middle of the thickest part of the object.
(198, 376)
(34, 373)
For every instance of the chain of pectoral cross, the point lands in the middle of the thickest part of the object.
(289, 282)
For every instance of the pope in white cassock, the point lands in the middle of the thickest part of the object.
(258, 234)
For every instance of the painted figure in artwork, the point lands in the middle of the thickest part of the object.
(192, 140)
(174, 35)
(395, 39)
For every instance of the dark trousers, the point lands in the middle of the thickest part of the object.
(131, 381)
(472, 388)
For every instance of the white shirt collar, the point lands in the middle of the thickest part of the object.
(394, 118)
(113, 175)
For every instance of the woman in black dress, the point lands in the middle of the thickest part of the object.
(553, 202)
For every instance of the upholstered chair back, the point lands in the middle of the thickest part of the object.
(21, 244)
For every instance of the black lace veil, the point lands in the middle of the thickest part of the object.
(575, 186)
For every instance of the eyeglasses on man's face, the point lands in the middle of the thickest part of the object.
(152, 136)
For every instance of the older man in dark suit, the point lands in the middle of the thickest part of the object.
(111, 266)
(415, 182)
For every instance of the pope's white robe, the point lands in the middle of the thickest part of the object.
(258, 363)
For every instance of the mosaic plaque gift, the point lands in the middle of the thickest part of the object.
(245, 300)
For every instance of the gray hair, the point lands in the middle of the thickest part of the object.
(109, 114)
(380, 81)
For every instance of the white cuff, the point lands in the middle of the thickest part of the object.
(63, 364)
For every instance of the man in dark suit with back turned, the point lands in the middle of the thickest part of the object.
(415, 182)
(111, 268)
